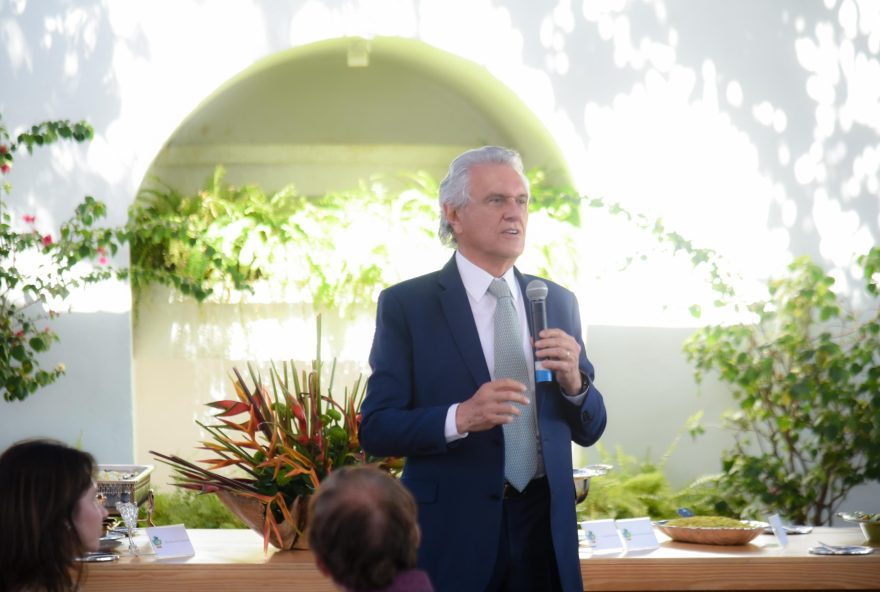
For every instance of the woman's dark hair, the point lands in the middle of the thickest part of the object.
(363, 527)
(41, 482)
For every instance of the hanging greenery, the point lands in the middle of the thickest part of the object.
(334, 250)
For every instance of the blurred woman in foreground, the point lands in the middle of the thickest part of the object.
(50, 514)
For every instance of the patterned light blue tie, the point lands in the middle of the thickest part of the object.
(520, 436)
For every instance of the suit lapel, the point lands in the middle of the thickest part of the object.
(460, 318)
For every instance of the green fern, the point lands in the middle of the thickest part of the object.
(193, 510)
(638, 487)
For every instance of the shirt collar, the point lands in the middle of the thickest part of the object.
(476, 280)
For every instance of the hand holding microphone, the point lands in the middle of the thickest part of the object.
(536, 292)
(555, 350)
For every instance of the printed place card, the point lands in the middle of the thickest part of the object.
(601, 536)
(170, 541)
(637, 533)
(778, 529)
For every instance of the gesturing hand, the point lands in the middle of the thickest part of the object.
(490, 406)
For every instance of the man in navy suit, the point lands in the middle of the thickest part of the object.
(433, 396)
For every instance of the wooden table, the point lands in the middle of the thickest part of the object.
(760, 565)
(234, 560)
(230, 560)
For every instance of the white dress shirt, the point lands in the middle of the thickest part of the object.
(476, 283)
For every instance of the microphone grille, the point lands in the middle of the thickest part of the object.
(536, 290)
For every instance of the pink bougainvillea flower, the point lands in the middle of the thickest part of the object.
(47, 240)
(30, 219)
(5, 167)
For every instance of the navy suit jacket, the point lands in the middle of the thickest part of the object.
(426, 355)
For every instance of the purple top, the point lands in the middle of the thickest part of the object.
(411, 580)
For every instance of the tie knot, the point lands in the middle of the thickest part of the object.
(499, 289)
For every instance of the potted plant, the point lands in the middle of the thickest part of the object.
(282, 437)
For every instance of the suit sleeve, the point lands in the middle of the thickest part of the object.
(394, 423)
(587, 420)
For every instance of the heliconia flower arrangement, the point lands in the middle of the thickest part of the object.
(281, 439)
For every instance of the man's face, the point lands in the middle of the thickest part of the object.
(491, 228)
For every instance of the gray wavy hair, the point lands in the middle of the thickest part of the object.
(455, 188)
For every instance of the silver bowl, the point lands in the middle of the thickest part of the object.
(582, 479)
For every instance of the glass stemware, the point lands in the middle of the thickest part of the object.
(129, 512)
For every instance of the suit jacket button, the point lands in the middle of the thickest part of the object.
(585, 416)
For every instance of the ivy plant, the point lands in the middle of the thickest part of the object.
(806, 376)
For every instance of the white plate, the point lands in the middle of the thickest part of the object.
(109, 541)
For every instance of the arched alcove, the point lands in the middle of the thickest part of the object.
(323, 117)
(330, 113)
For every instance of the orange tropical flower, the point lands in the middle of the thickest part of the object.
(281, 437)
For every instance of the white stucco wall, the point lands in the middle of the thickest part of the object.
(751, 127)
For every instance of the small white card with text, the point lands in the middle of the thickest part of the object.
(170, 541)
(778, 529)
(601, 536)
(637, 533)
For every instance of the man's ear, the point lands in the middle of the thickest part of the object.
(451, 216)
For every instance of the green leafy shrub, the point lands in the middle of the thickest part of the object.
(806, 375)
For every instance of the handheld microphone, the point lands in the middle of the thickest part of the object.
(536, 292)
